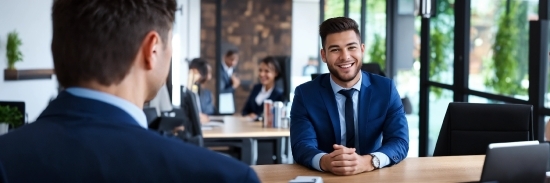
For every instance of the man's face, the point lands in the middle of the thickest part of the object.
(343, 54)
(161, 70)
(232, 60)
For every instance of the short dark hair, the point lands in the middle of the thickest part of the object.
(97, 40)
(273, 62)
(337, 25)
(231, 53)
(202, 66)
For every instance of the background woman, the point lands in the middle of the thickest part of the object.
(269, 72)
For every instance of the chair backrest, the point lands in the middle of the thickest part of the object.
(373, 68)
(284, 81)
(468, 128)
(313, 76)
(189, 112)
(19, 105)
(150, 114)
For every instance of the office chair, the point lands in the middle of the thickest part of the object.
(284, 81)
(150, 114)
(373, 68)
(189, 113)
(469, 128)
(20, 106)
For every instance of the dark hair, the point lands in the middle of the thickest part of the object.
(231, 53)
(336, 25)
(202, 66)
(271, 60)
(97, 40)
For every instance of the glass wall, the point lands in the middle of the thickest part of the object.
(375, 33)
(500, 46)
(438, 108)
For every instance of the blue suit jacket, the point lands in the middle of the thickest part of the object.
(251, 107)
(381, 124)
(82, 140)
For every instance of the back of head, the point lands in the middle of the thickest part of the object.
(337, 25)
(97, 40)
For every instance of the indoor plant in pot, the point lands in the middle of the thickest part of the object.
(9, 116)
(13, 52)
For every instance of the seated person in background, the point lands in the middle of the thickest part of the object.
(202, 73)
(269, 72)
(95, 130)
(347, 122)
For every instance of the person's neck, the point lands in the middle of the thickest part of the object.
(347, 84)
(122, 90)
(268, 86)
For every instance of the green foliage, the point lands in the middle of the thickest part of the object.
(377, 51)
(334, 8)
(438, 42)
(10, 115)
(12, 49)
(441, 37)
(504, 77)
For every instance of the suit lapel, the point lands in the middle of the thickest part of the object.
(330, 103)
(363, 110)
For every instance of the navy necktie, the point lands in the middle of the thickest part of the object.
(349, 117)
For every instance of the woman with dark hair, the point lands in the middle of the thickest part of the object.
(201, 72)
(269, 72)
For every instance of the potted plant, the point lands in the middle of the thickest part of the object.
(9, 116)
(13, 52)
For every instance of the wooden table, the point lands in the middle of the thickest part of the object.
(243, 133)
(425, 169)
(240, 127)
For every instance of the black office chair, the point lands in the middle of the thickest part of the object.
(373, 68)
(150, 114)
(469, 128)
(189, 112)
(20, 106)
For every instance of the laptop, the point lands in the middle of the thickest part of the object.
(524, 161)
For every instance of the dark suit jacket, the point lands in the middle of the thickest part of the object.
(205, 96)
(82, 140)
(381, 125)
(251, 107)
(226, 84)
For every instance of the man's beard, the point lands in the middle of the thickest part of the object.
(335, 73)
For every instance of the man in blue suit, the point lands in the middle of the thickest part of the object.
(111, 56)
(347, 122)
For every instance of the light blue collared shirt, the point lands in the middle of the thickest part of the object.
(340, 102)
(126, 106)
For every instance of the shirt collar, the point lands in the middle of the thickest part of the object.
(268, 91)
(227, 68)
(336, 88)
(124, 105)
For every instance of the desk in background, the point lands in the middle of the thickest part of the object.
(424, 169)
(243, 133)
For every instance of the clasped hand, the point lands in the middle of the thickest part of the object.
(345, 161)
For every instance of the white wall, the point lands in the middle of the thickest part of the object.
(32, 19)
(186, 43)
(305, 37)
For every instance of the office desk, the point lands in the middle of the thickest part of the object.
(240, 127)
(424, 169)
(243, 133)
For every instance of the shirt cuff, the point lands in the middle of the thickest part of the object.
(384, 159)
(316, 161)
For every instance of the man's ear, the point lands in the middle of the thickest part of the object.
(323, 55)
(362, 47)
(149, 47)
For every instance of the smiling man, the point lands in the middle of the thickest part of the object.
(347, 122)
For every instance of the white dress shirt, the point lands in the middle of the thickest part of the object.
(228, 70)
(340, 102)
(263, 95)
